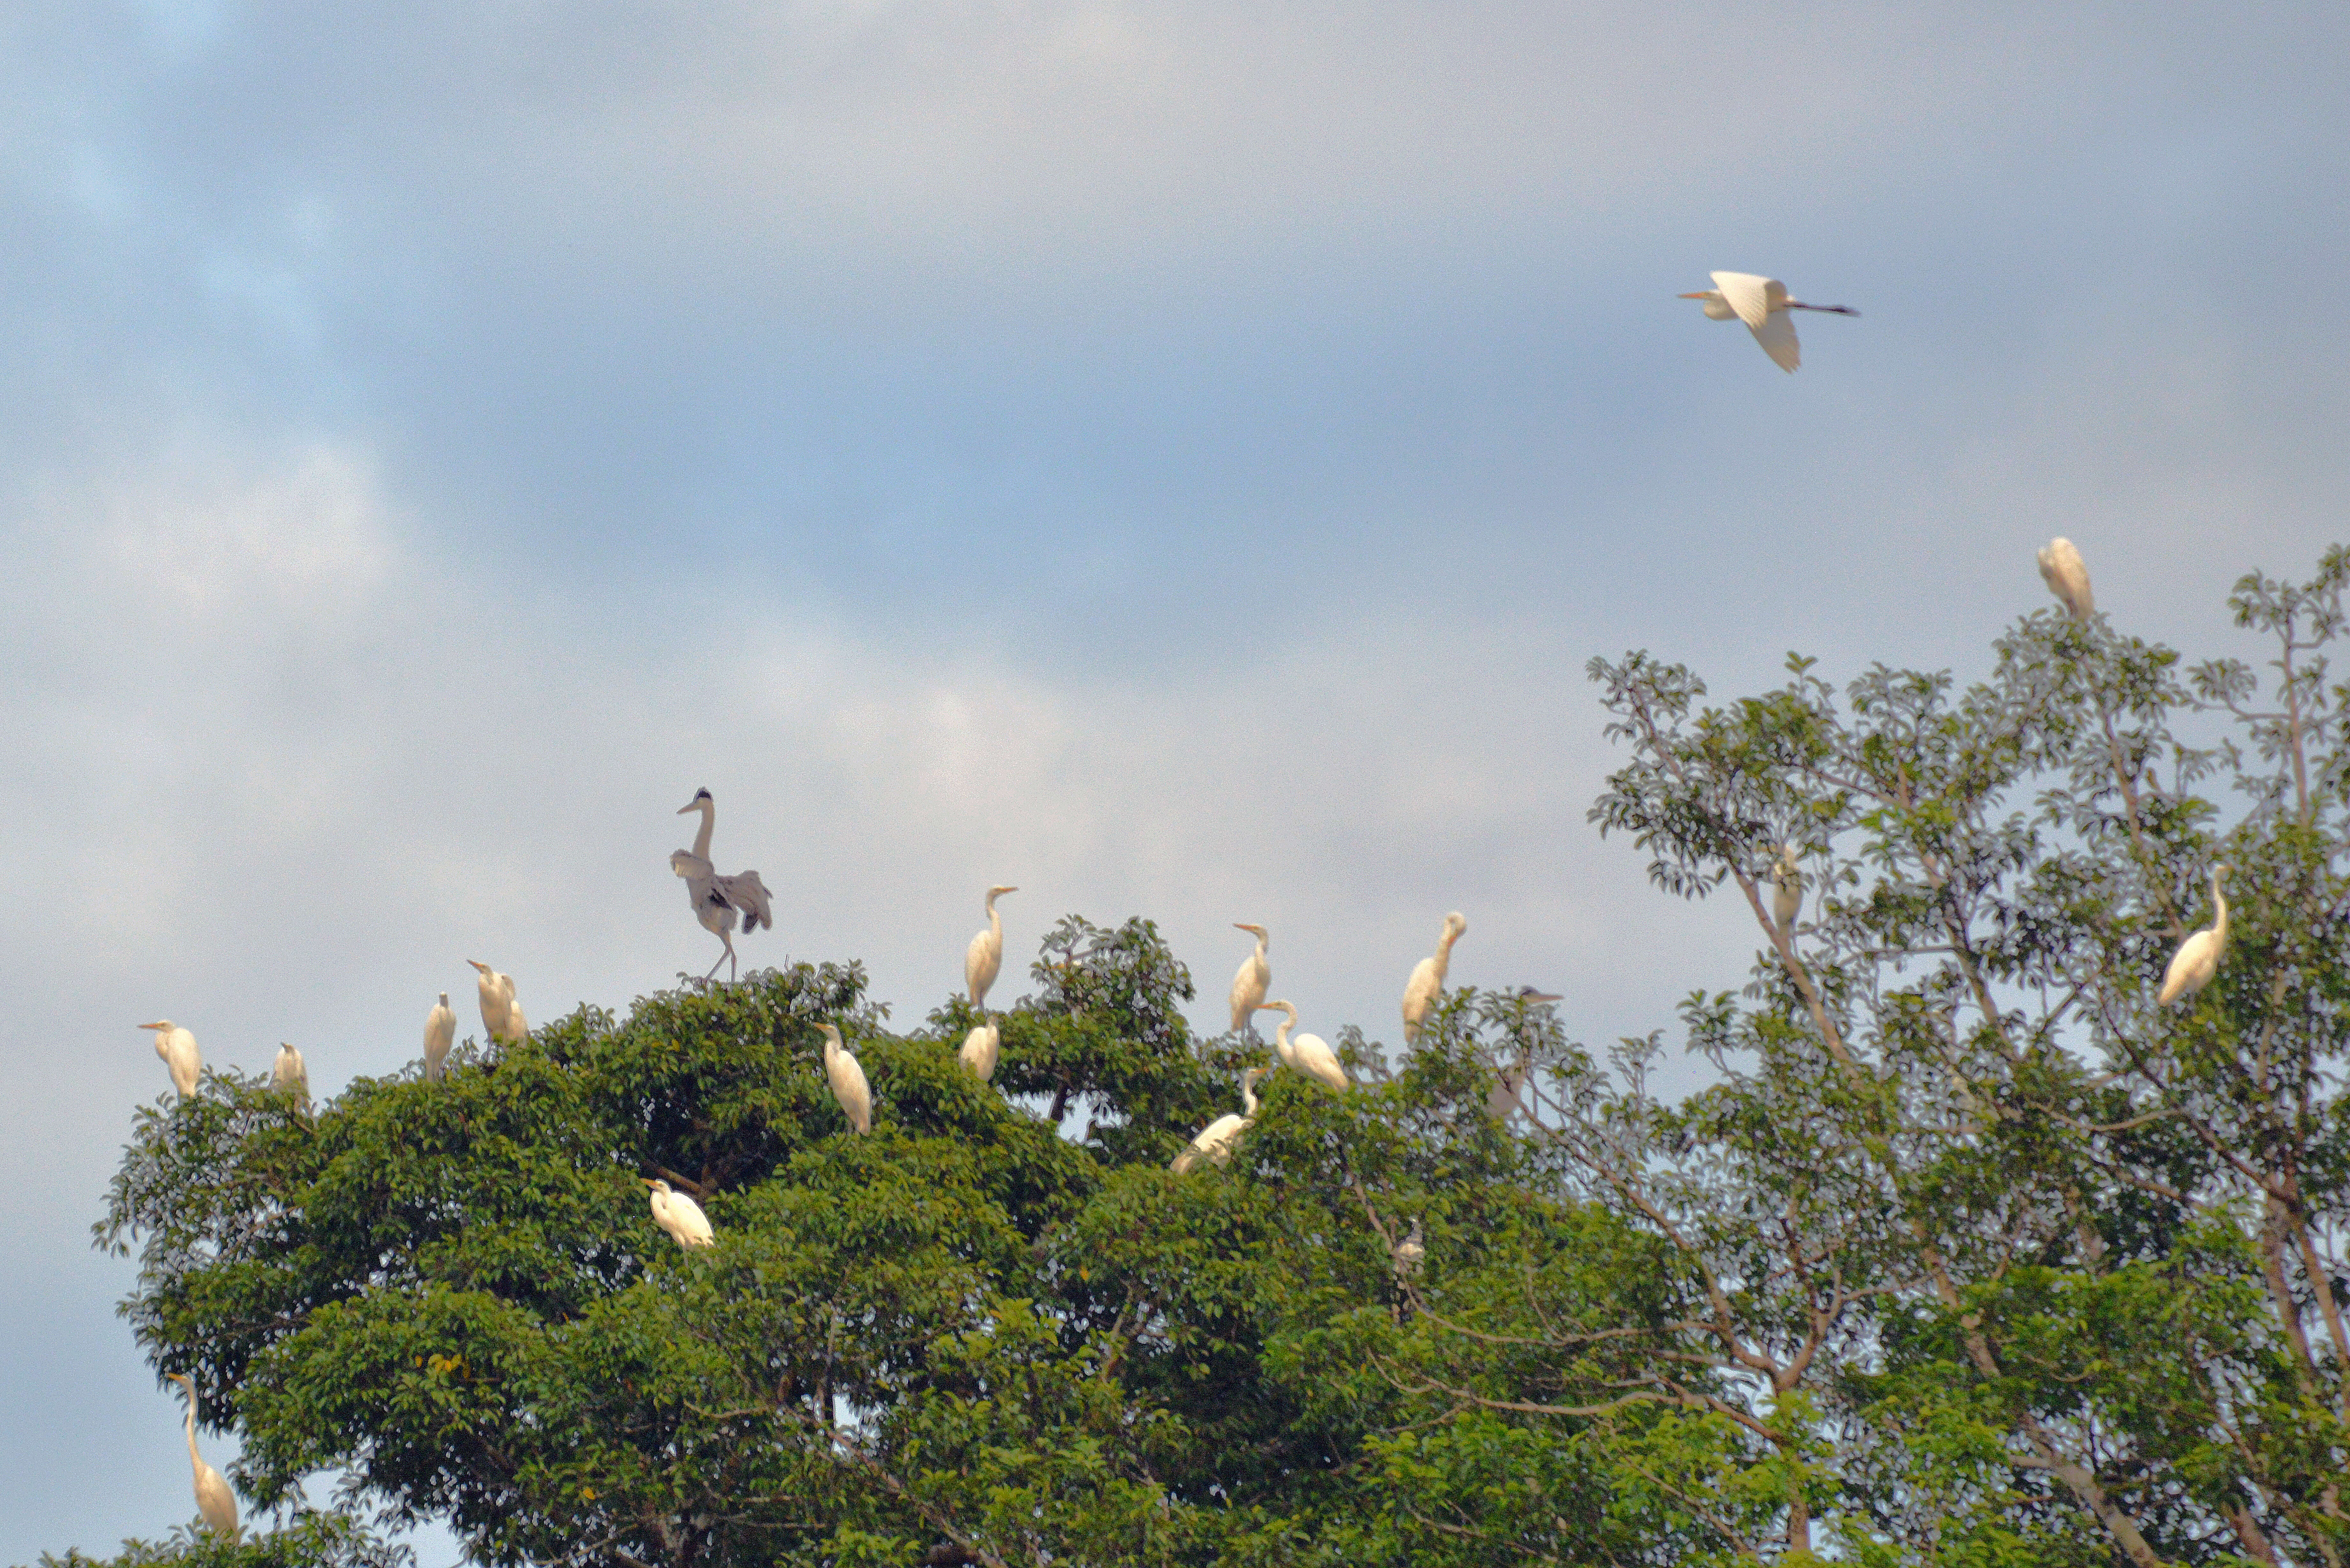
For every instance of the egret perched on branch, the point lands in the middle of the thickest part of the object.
(717, 900)
(440, 1033)
(1786, 889)
(288, 1073)
(1219, 1137)
(178, 1049)
(2198, 957)
(1308, 1053)
(847, 1081)
(985, 957)
(1503, 1100)
(678, 1215)
(981, 1048)
(2067, 576)
(1426, 982)
(213, 1499)
(1410, 1254)
(1254, 979)
(500, 1016)
(1763, 304)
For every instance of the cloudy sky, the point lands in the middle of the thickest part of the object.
(1174, 458)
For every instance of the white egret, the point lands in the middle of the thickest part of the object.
(1426, 982)
(1763, 304)
(718, 901)
(678, 1215)
(981, 1048)
(1501, 1101)
(848, 1080)
(1308, 1053)
(2067, 576)
(1786, 889)
(2198, 957)
(1410, 1254)
(985, 957)
(497, 999)
(440, 1033)
(287, 1072)
(178, 1049)
(213, 1499)
(1219, 1137)
(1254, 979)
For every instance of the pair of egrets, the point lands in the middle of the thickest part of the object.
(177, 1047)
(1254, 979)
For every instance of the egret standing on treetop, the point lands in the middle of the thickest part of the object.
(1218, 1138)
(2067, 576)
(178, 1049)
(984, 957)
(440, 1033)
(288, 1073)
(980, 1049)
(1763, 304)
(1254, 979)
(848, 1080)
(1426, 982)
(1308, 1053)
(213, 1499)
(718, 899)
(497, 999)
(678, 1215)
(2198, 957)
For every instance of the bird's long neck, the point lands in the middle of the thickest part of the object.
(1261, 945)
(709, 820)
(1248, 1097)
(1444, 950)
(2219, 926)
(194, 1458)
(995, 920)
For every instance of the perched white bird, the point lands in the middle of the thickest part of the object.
(717, 900)
(287, 1072)
(497, 1000)
(178, 1049)
(1763, 304)
(1786, 889)
(678, 1215)
(1410, 1254)
(847, 1081)
(1501, 1101)
(985, 957)
(1219, 1137)
(2067, 576)
(981, 1048)
(1254, 979)
(440, 1033)
(1308, 1053)
(1426, 982)
(213, 1499)
(2198, 957)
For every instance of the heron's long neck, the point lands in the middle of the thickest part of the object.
(709, 821)
(194, 1458)
(1248, 1098)
(2219, 926)
(1261, 945)
(1444, 950)
(995, 920)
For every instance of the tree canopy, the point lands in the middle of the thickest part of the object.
(1971, 1252)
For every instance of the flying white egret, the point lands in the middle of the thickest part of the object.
(981, 1048)
(1410, 1254)
(213, 1499)
(1763, 304)
(440, 1033)
(2198, 957)
(717, 900)
(287, 1072)
(1254, 979)
(1786, 889)
(1219, 1137)
(2067, 576)
(1503, 1099)
(678, 1215)
(178, 1049)
(497, 999)
(1426, 982)
(985, 957)
(1308, 1053)
(848, 1080)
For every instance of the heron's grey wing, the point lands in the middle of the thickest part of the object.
(1777, 335)
(748, 894)
(1748, 295)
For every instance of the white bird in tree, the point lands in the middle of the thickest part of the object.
(498, 1010)
(1219, 1137)
(1426, 982)
(2067, 576)
(1763, 304)
(981, 1048)
(1503, 1101)
(213, 1499)
(1308, 1053)
(1786, 889)
(178, 1049)
(1410, 1254)
(1254, 979)
(678, 1215)
(2198, 957)
(440, 1033)
(847, 1081)
(287, 1072)
(718, 901)
(983, 960)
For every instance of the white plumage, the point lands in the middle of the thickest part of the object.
(1253, 980)
(981, 1048)
(1219, 1137)
(983, 960)
(2198, 957)
(1308, 1053)
(2067, 576)
(1763, 304)
(678, 1215)
(500, 1017)
(1410, 1254)
(178, 1049)
(440, 1033)
(288, 1072)
(1426, 982)
(847, 1081)
(213, 1499)
(718, 901)
(1786, 889)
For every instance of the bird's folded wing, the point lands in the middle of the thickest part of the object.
(1777, 335)
(749, 895)
(1748, 295)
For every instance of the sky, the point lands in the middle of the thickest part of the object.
(1177, 458)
